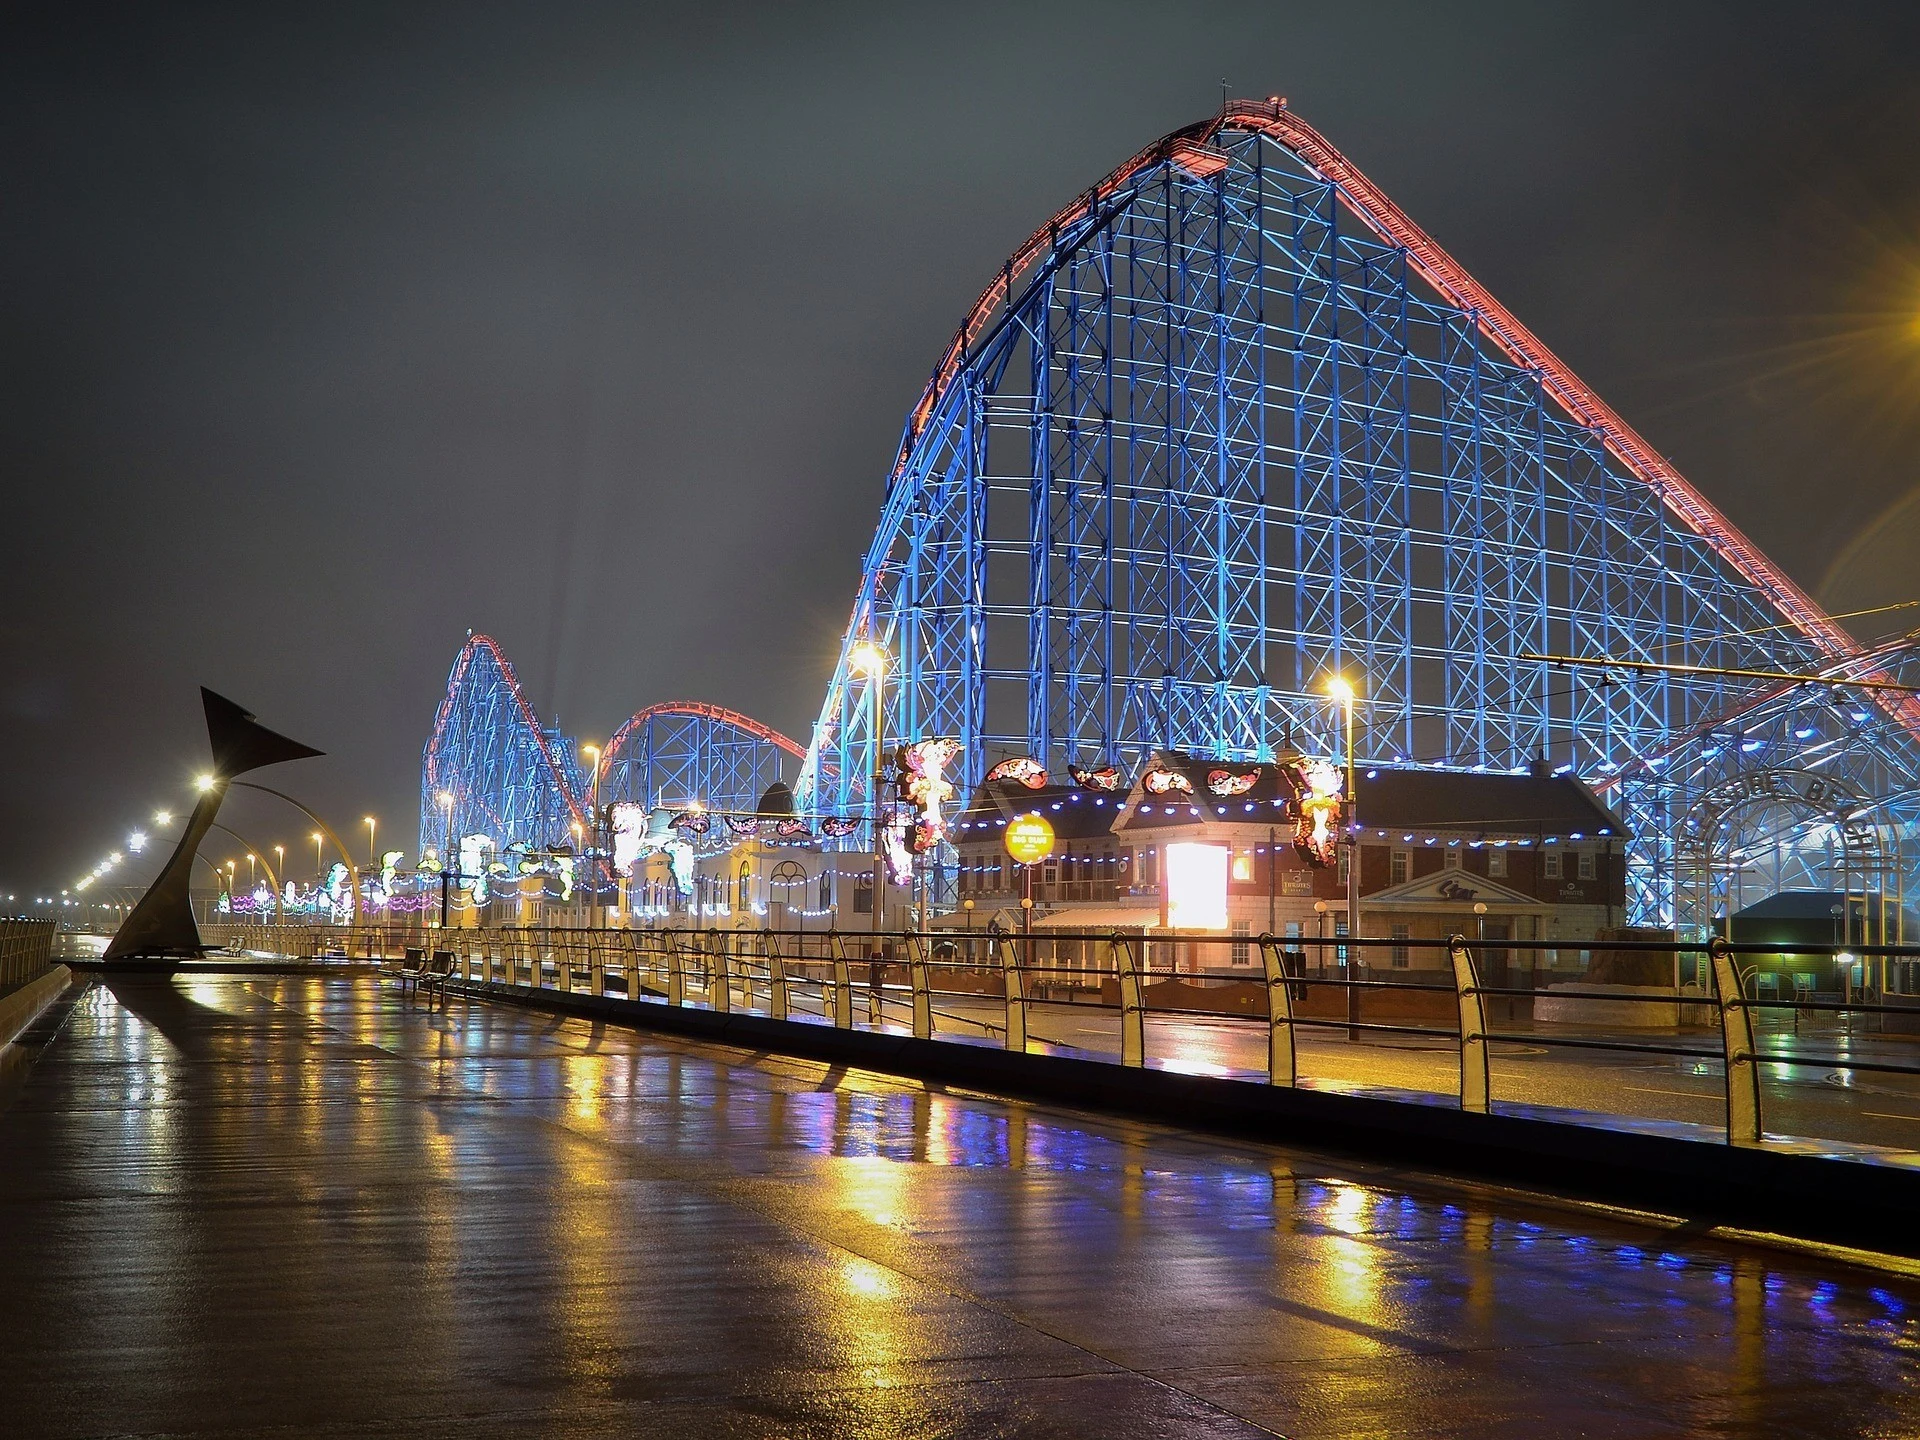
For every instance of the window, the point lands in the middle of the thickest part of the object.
(1452, 861)
(826, 890)
(1399, 867)
(1399, 933)
(1550, 864)
(1242, 950)
(1497, 864)
(1293, 929)
(1586, 864)
(1345, 851)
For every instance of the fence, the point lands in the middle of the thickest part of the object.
(987, 987)
(26, 950)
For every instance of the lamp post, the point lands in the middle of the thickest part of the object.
(1342, 690)
(869, 660)
(445, 797)
(594, 912)
(373, 862)
(280, 862)
(319, 860)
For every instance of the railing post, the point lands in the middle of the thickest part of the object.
(1736, 1040)
(1016, 985)
(1133, 1006)
(676, 972)
(776, 976)
(1282, 1067)
(720, 975)
(840, 988)
(1476, 1092)
(919, 975)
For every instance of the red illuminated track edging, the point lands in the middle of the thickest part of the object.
(697, 709)
(1440, 270)
(475, 644)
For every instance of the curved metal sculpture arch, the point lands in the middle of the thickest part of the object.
(1229, 424)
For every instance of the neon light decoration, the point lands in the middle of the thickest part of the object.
(834, 826)
(923, 766)
(1227, 783)
(694, 822)
(1105, 778)
(743, 825)
(1165, 782)
(1021, 770)
(1315, 831)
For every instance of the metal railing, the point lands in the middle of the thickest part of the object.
(989, 987)
(26, 949)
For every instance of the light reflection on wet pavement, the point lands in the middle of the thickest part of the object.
(241, 1205)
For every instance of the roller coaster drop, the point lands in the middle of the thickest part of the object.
(1226, 426)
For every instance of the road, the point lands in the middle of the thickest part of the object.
(304, 1205)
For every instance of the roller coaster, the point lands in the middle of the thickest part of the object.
(1230, 424)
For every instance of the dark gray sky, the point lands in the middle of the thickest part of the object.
(332, 331)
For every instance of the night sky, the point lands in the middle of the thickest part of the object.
(332, 332)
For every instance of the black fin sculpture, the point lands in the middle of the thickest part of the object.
(161, 926)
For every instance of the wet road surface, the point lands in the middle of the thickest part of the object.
(305, 1206)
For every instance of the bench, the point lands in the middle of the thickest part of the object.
(423, 973)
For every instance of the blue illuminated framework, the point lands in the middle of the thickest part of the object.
(1227, 426)
(1230, 425)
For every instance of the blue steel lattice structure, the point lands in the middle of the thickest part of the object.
(1229, 425)
(516, 780)
(681, 753)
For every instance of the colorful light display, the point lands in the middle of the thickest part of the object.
(1106, 778)
(923, 780)
(1022, 770)
(1161, 781)
(1315, 832)
(1226, 783)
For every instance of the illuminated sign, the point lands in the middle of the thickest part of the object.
(1029, 838)
(1196, 886)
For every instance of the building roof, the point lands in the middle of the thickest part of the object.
(1822, 905)
(1471, 803)
(1074, 813)
(1267, 801)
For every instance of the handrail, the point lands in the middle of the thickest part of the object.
(976, 988)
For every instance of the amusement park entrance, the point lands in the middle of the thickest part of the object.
(1762, 832)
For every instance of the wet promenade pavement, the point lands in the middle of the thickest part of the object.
(304, 1206)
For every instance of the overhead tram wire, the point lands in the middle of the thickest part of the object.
(1607, 662)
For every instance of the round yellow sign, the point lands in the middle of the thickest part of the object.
(1029, 838)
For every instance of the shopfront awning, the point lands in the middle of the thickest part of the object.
(1098, 919)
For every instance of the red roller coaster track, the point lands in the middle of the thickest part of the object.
(1447, 276)
(701, 710)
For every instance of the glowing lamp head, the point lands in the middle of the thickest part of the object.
(203, 783)
(445, 797)
(1340, 689)
(137, 841)
(867, 658)
(1029, 839)
(163, 817)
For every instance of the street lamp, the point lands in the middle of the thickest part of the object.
(280, 863)
(250, 870)
(870, 661)
(319, 861)
(445, 798)
(1342, 692)
(372, 862)
(592, 752)
(163, 817)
